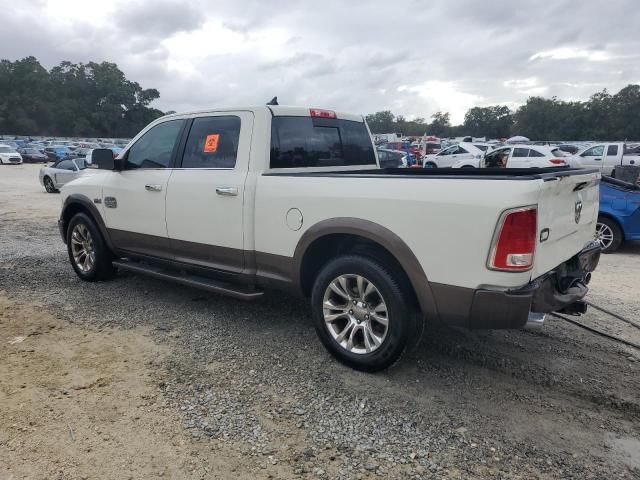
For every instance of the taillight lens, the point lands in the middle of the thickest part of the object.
(515, 242)
(319, 113)
(557, 161)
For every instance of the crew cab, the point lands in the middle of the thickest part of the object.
(238, 201)
(606, 157)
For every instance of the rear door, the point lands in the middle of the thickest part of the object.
(519, 158)
(567, 215)
(205, 196)
(613, 154)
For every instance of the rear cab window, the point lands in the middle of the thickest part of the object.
(319, 142)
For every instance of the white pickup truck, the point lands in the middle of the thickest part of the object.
(606, 157)
(237, 201)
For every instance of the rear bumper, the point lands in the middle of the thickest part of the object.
(554, 291)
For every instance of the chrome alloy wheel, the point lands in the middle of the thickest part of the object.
(604, 235)
(82, 249)
(355, 314)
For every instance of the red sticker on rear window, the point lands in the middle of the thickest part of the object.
(211, 143)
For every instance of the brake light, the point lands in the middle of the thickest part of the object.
(515, 242)
(317, 112)
(557, 161)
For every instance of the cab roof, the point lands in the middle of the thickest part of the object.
(276, 110)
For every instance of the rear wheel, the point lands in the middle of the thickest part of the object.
(430, 165)
(48, 185)
(467, 166)
(361, 313)
(89, 255)
(608, 234)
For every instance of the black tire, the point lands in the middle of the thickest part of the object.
(102, 268)
(48, 185)
(403, 321)
(430, 165)
(614, 228)
(467, 166)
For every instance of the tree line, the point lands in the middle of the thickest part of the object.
(80, 100)
(604, 116)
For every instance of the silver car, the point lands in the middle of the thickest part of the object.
(61, 172)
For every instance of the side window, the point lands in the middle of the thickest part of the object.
(520, 152)
(154, 148)
(594, 151)
(461, 150)
(612, 150)
(212, 143)
(448, 151)
(535, 153)
(382, 156)
(65, 165)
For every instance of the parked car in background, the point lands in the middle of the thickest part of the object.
(570, 148)
(518, 156)
(619, 216)
(88, 156)
(9, 155)
(32, 155)
(57, 152)
(80, 152)
(392, 158)
(452, 155)
(606, 157)
(61, 172)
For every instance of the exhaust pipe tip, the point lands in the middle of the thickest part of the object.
(535, 320)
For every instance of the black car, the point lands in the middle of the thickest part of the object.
(32, 155)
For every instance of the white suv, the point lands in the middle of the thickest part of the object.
(451, 155)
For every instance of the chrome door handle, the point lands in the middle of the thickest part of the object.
(228, 191)
(153, 187)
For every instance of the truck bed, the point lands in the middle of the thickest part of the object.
(546, 174)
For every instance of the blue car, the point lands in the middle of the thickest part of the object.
(619, 216)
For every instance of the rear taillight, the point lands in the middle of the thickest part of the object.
(557, 161)
(514, 244)
(317, 112)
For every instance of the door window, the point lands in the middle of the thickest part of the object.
(594, 152)
(520, 152)
(66, 165)
(461, 150)
(212, 143)
(535, 153)
(612, 150)
(155, 148)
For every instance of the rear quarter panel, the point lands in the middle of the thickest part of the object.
(447, 223)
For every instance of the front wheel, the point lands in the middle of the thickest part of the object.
(48, 185)
(430, 165)
(89, 255)
(361, 312)
(608, 235)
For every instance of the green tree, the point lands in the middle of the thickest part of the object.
(492, 122)
(381, 122)
(440, 124)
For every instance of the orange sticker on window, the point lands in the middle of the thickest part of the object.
(211, 143)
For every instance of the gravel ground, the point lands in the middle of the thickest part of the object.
(252, 378)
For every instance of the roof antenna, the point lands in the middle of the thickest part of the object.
(273, 101)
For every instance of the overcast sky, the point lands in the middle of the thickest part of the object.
(412, 57)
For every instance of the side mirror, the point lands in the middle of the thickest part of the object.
(103, 158)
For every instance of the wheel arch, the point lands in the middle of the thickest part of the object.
(329, 238)
(76, 203)
(614, 219)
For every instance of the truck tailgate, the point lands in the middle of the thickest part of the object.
(567, 212)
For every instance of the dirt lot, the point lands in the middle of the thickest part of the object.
(136, 378)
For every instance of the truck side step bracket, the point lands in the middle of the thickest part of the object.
(204, 283)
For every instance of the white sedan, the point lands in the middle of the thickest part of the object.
(9, 156)
(453, 154)
(518, 156)
(61, 172)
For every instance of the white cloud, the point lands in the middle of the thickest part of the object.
(567, 53)
(444, 96)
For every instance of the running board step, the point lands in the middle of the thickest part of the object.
(211, 285)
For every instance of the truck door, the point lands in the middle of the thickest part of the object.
(592, 157)
(206, 192)
(134, 198)
(612, 158)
